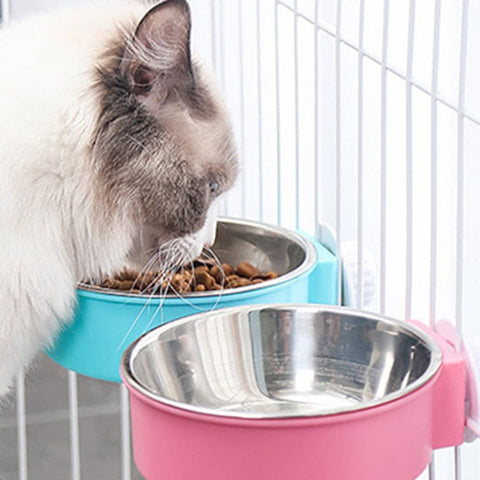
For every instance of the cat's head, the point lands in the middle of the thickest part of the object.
(163, 146)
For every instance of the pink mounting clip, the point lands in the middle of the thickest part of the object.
(449, 391)
(471, 348)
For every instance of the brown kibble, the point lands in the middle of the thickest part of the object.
(204, 278)
(216, 272)
(124, 285)
(266, 276)
(233, 277)
(148, 278)
(232, 281)
(203, 262)
(109, 283)
(244, 282)
(246, 269)
(201, 268)
(271, 275)
(219, 274)
(180, 283)
(227, 269)
(126, 274)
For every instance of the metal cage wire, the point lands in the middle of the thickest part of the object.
(363, 114)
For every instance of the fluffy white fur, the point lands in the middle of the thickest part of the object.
(52, 233)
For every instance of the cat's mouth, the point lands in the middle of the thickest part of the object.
(182, 250)
(174, 253)
(155, 249)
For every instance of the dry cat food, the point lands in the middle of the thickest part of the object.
(201, 277)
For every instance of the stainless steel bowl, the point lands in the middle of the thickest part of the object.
(279, 361)
(267, 247)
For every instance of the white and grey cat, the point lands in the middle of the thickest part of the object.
(113, 142)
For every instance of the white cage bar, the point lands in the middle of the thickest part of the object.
(363, 114)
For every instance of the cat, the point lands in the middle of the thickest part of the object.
(114, 143)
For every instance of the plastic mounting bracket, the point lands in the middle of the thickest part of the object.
(350, 266)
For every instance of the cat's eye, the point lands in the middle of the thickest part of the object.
(213, 186)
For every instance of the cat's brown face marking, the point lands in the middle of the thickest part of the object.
(163, 145)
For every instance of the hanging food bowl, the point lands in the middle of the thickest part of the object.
(107, 321)
(292, 391)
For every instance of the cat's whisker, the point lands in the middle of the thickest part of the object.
(183, 297)
(139, 315)
(145, 269)
(134, 323)
(163, 296)
(217, 262)
(157, 310)
(213, 256)
(172, 262)
(142, 310)
(171, 256)
(219, 265)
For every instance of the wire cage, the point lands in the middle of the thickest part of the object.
(361, 114)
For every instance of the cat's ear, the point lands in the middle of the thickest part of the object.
(157, 60)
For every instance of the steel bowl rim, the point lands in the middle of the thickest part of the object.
(433, 367)
(307, 264)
